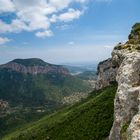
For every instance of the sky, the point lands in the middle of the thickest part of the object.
(64, 31)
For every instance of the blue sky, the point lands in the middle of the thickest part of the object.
(64, 31)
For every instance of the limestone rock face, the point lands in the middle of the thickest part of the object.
(124, 67)
(106, 73)
(127, 97)
(126, 57)
(35, 69)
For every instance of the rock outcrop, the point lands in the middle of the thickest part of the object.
(126, 56)
(124, 67)
(106, 73)
(127, 97)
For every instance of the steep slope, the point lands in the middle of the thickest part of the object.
(88, 120)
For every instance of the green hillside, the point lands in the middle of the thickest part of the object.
(30, 96)
(87, 75)
(27, 89)
(36, 90)
(89, 120)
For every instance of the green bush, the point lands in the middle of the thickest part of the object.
(136, 27)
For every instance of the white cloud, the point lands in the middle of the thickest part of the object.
(6, 6)
(34, 15)
(4, 40)
(70, 15)
(82, 1)
(60, 4)
(15, 26)
(47, 33)
(104, 1)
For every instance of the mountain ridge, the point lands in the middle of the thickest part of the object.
(33, 78)
(34, 66)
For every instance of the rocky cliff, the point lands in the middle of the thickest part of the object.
(124, 67)
(106, 72)
(34, 66)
